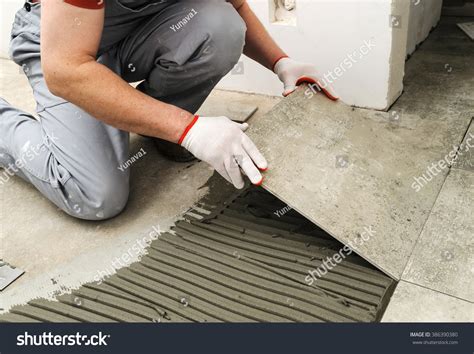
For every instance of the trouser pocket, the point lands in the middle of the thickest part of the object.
(25, 35)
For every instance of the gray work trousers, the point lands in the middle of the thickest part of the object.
(180, 48)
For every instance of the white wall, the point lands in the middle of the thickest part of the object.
(326, 34)
(398, 51)
(424, 15)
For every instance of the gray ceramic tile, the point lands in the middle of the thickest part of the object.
(413, 303)
(439, 74)
(457, 46)
(349, 170)
(465, 159)
(238, 111)
(443, 259)
(8, 274)
(442, 66)
(452, 67)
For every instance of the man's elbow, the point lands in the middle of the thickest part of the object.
(57, 80)
(238, 3)
(62, 79)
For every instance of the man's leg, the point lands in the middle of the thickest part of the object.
(183, 51)
(68, 155)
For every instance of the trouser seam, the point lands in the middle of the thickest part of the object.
(51, 106)
(25, 167)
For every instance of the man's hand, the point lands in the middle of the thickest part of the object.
(261, 47)
(293, 73)
(224, 145)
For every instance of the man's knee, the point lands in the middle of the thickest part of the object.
(226, 31)
(99, 200)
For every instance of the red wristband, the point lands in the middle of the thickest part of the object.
(188, 128)
(276, 61)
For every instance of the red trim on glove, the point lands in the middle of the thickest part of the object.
(188, 128)
(259, 183)
(305, 79)
(87, 4)
(276, 61)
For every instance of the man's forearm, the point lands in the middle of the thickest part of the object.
(104, 95)
(259, 45)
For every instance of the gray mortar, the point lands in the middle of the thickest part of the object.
(236, 264)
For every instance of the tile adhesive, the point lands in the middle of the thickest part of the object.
(238, 258)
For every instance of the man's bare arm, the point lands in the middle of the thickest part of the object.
(70, 38)
(259, 45)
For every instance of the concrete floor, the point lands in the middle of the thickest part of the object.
(59, 253)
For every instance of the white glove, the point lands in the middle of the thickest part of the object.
(223, 144)
(293, 73)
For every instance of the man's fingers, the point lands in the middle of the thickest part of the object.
(251, 171)
(289, 89)
(223, 172)
(254, 154)
(243, 126)
(327, 89)
(233, 170)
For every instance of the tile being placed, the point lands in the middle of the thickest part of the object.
(443, 259)
(353, 172)
(413, 303)
(238, 111)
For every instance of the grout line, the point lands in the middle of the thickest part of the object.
(424, 226)
(433, 206)
(436, 291)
